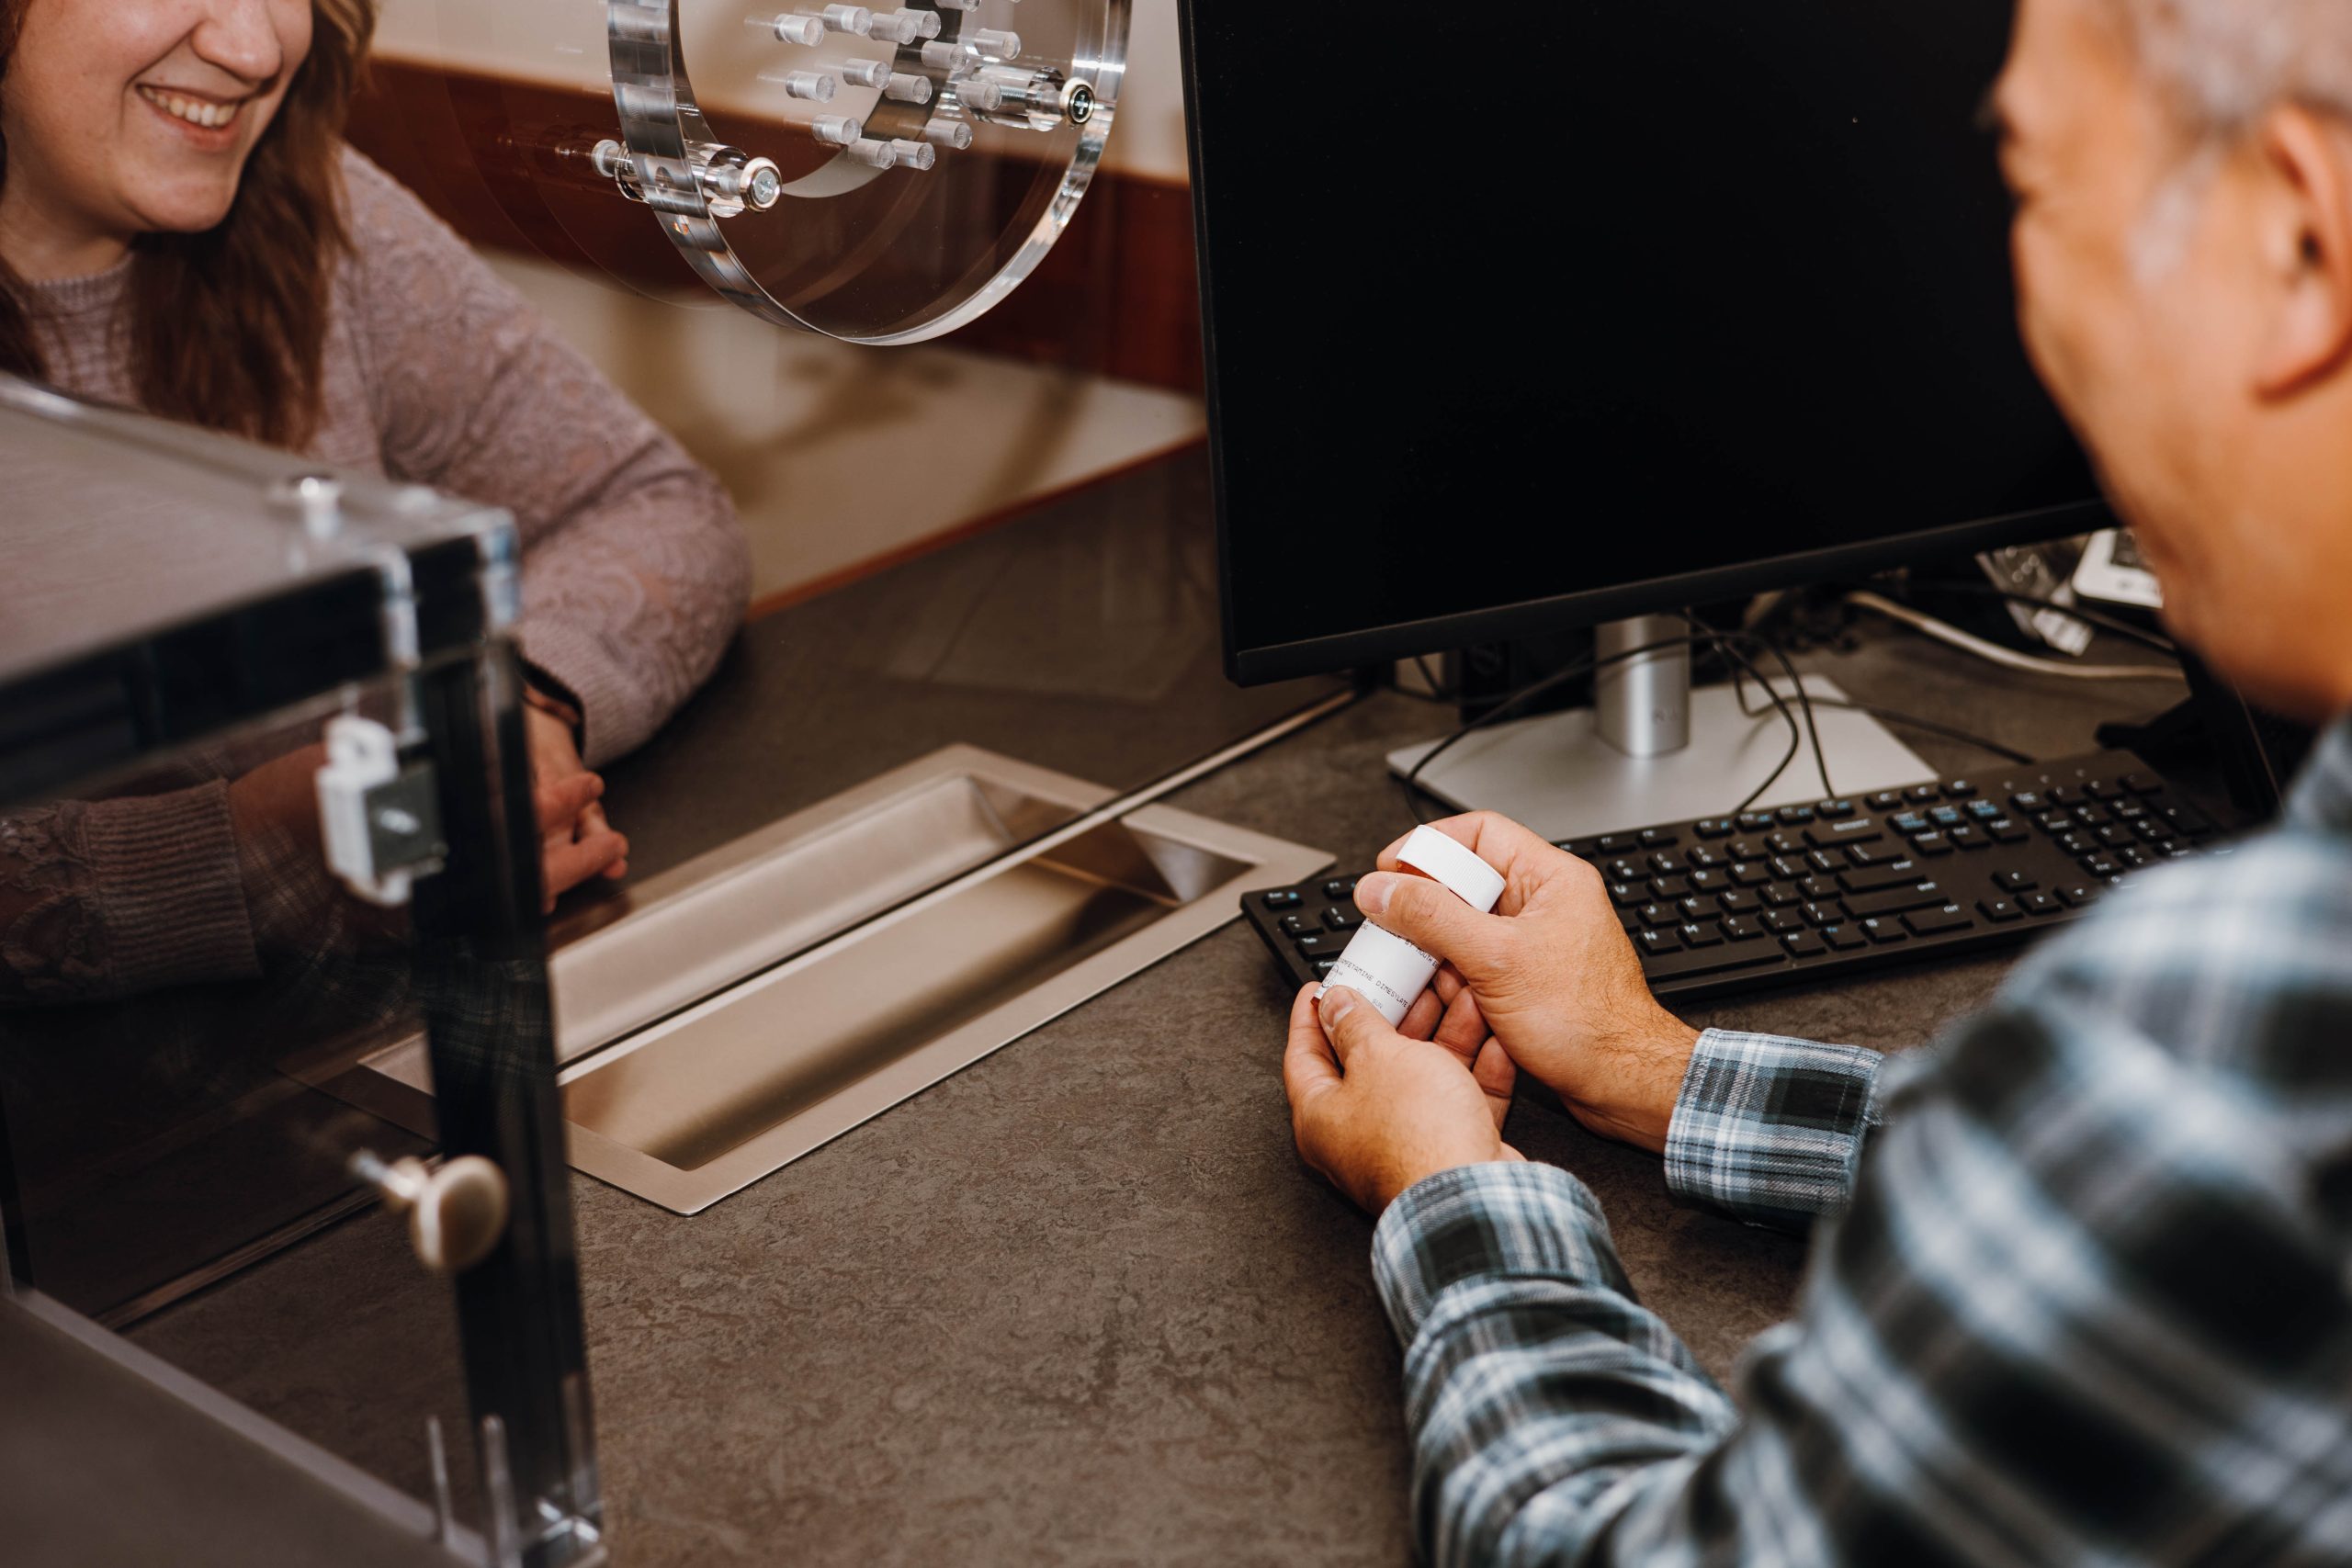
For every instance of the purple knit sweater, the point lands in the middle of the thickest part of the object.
(635, 577)
(634, 574)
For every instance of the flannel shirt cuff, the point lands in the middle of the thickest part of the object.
(1771, 1128)
(1507, 1219)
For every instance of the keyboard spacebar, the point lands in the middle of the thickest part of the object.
(1710, 960)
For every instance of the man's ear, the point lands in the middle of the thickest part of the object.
(2307, 248)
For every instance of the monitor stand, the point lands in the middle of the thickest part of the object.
(1654, 749)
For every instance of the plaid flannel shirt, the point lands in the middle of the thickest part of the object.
(2079, 1292)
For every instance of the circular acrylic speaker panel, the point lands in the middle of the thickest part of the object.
(875, 176)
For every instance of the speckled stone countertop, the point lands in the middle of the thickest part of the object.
(1079, 1304)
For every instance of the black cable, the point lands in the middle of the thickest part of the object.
(1804, 698)
(2106, 623)
(1717, 640)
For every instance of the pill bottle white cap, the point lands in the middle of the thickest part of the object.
(1446, 861)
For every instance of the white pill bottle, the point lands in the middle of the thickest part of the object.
(1383, 967)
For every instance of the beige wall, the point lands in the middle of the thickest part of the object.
(563, 39)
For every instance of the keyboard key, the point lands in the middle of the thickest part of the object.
(1908, 822)
(1740, 903)
(1784, 844)
(1298, 925)
(2040, 903)
(1660, 837)
(2115, 835)
(1828, 912)
(1931, 844)
(1969, 838)
(2032, 801)
(1984, 810)
(1699, 906)
(1923, 794)
(1898, 900)
(2000, 911)
(1804, 944)
(1947, 816)
(1625, 894)
(1755, 821)
(2142, 784)
(1339, 888)
(1669, 887)
(1751, 874)
(1828, 862)
(2076, 895)
(1616, 843)
(1715, 960)
(2076, 844)
(1714, 828)
(1323, 968)
(1665, 865)
(1878, 854)
(2013, 881)
(2067, 794)
(1657, 940)
(1327, 945)
(1781, 894)
(1711, 882)
(1286, 899)
(1622, 870)
(1741, 929)
(1886, 800)
(1883, 932)
(1340, 919)
(2007, 831)
(1819, 888)
(2103, 789)
(1835, 810)
(2133, 857)
(2151, 829)
(1747, 849)
(1700, 934)
(1853, 831)
(1702, 858)
(2092, 816)
(1781, 920)
(1940, 922)
(1795, 816)
(1661, 915)
(1844, 938)
(2103, 866)
(2130, 811)
(1790, 870)
(1870, 879)
(1958, 789)
(2055, 821)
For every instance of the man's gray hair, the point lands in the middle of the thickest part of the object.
(2222, 64)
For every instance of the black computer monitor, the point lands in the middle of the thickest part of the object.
(1526, 317)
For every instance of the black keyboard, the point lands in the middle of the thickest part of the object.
(1810, 892)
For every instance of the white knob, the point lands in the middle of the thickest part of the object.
(866, 73)
(799, 29)
(838, 130)
(905, 89)
(996, 45)
(955, 133)
(913, 155)
(813, 86)
(854, 19)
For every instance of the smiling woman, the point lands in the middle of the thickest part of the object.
(182, 229)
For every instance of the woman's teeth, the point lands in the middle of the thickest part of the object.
(212, 117)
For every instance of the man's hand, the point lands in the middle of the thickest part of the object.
(1550, 973)
(1376, 1111)
(575, 842)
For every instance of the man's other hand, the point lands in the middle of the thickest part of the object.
(1551, 975)
(1376, 1110)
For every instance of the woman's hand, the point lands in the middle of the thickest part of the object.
(1550, 973)
(576, 844)
(1376, 1110)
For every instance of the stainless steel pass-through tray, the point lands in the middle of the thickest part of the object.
(735, 1013)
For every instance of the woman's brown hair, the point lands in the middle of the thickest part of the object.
(228, 328)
